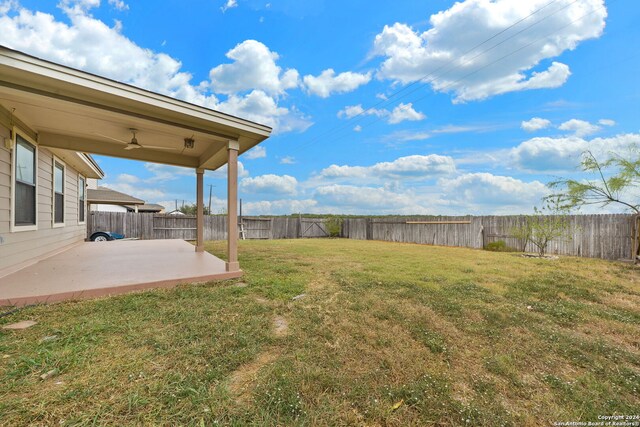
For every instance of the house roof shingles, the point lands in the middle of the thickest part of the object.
(147, 207)
(107, 196)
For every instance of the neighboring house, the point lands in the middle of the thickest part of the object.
(103, 199)
(146, 208)
(176, 212)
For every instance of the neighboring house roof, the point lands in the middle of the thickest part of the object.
(107, 196)
(147, 207)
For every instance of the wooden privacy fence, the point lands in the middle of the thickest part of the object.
(614, 236)
(595, 236)
(162, 226)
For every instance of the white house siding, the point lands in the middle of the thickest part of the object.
(24, 246)
(107, 208)
(5, 187)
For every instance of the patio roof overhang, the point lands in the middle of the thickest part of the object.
(68, 109)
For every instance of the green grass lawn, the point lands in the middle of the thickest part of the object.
(387, 334)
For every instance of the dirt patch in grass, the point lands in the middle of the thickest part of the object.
(243, 380)
(280, 326)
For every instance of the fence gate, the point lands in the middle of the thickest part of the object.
(313, 228)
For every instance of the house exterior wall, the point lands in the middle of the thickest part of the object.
(22, 247)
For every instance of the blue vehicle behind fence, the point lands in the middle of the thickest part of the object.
(105, 236)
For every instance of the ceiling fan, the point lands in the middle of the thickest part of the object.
(134, 144)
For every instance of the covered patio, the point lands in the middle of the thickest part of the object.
(91, 270)
(67, 111)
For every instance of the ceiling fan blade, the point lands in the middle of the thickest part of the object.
(156, 147)
(132, 146)
(111, 138)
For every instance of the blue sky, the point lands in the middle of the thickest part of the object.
(415, 107)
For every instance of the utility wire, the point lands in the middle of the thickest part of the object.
(420, 83)
(389, 100)
(503, 57)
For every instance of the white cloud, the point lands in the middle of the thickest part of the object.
(270, 184)
(506, 65)
(78, 6)
(127, 178)
(257, 152)
(259, 107)
(564, 153)
(279, 207)
(405, 112)
(401, 113)
(139, 192)
(254, 67)
(119, 4)
(486, 193)
(287, 160)
(409, 167)
(163, 173)
(579, 127)
(407, 135)
(535, 124)
(607, 122)
(8, 5)
(472, 193)
(328, 82)
(89, 44)
(357, 128)
(229, 4)
(132, 186)
(353, 199)
(352, 111)
(221, 173)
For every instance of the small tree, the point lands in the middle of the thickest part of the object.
(192, 209)
(602, 191)
(334, 226)
(522, 232)
(550, 222)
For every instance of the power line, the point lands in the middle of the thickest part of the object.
(503, 57)
(362, 115)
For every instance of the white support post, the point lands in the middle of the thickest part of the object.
(200, 210)
(232, 206)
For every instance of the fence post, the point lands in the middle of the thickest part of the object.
(369, 229)
(636, 239)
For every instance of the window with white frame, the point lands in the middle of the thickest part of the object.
(58, 192)
(24, 183)
(81, 199)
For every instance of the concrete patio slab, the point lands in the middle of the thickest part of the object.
(95, 269)
(20, 325)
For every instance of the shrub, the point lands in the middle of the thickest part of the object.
(498, 246)
(334, 226)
